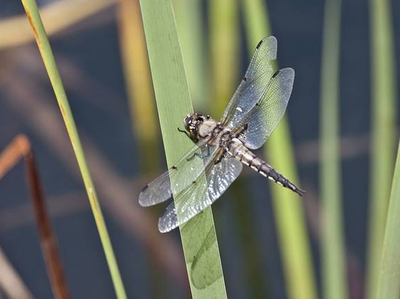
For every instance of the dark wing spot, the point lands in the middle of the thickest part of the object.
(259, 44)
(194, 182)
(145, 187)
(276, 74)
(174, 167)
(245, 79)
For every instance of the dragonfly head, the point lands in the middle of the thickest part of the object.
(192, 122)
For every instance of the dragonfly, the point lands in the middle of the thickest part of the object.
(222, 147)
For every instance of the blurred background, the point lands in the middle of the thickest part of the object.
(99, 48)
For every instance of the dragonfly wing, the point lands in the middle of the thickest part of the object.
(253, 84)
(187, 169)
(201, 194)
(267, 113)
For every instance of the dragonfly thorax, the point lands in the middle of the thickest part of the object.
(200, 126)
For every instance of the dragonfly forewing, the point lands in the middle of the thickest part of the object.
(268, 112)
(181, 175)
(253, 84)
(202, 193)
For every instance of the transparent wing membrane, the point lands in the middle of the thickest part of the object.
(208, 187)
(186, 170)
(267, 113)
(253, 84)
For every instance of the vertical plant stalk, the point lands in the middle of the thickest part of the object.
(42, 41)
(138, 83)
(224, 43)
(48, 242)
(389, 274)
(333, 247)
(173, 102)
(256, 21)
(291, 224)
(383, 78)
(188, 15)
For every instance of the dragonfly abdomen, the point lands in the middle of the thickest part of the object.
(270, 173)
(244, 155)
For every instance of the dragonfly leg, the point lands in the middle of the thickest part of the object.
(184, 131)
(219, 157)
(201, 156)
(240, 130)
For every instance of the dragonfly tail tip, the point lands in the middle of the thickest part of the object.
(300, 192)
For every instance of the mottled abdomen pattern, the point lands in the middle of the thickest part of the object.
(237, 149)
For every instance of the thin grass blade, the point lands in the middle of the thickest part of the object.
(333, 247)
(383, 107)
(291, 224)
(189, 23)
(173, 102)
(224, 45)
(138, 83)
(42, 41)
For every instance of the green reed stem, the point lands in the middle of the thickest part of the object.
(291, 224)
(42, 41)
(224, 47)
(383, 87)
(333, 247)
(173, 102)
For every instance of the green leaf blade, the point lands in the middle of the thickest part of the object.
(383, 127)
(389, 274)
(288, 209)
(173, 103)
(333, 247)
